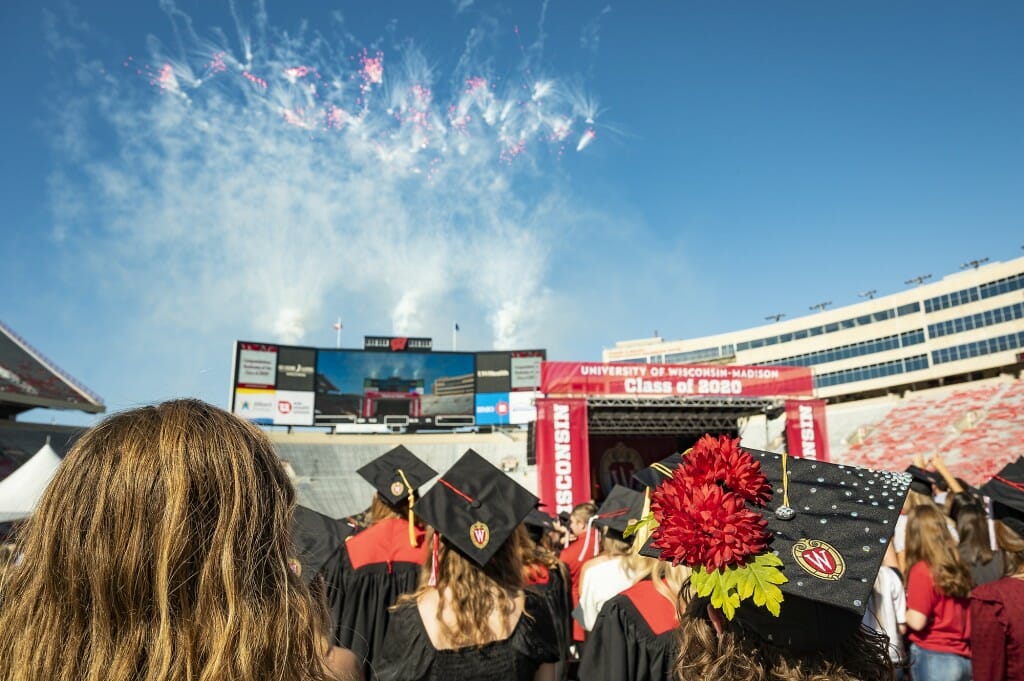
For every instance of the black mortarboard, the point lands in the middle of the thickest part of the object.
(315, 538)
(831, 547)
(657, 473)
(475, 507)
(539, 519)
(623, 507)
(921, 481)
(1006, 490)
(537, 523)
(394, 472)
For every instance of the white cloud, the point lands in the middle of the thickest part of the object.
(250, 191)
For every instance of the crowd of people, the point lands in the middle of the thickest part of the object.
(169, 547)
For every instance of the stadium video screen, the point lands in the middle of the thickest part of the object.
(368, 386)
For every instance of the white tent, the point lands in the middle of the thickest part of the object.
(20, 491)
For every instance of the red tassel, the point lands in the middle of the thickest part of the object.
(434, 549)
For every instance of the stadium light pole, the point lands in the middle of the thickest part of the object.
(974, 263)
(820, 307)
(918, 280)
(870, 295)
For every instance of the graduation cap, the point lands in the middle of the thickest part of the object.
(475, 507)
(922, 480)
(657, 473)
(1006, 490)
(538, 522)
(396, 474)
(315, 538)
(804, 553)
(623, 507)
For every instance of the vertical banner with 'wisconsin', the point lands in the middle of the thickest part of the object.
(563, 454)
(806, 432)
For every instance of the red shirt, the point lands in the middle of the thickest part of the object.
(574, 558)
(949, 619)
(997, 630)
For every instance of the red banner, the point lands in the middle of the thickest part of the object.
(806, 432)
(674, 380)
(563, 454)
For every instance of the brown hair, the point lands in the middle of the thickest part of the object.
(380, 509)
(975, 545)
(535, 553)
(159, 552)
(1012, 545)
(734, 655)
(928, 540)
(470, 592)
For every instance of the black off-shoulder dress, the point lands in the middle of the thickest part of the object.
(408, 654)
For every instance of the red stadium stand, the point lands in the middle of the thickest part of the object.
(976, 428)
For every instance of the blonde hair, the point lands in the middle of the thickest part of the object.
(928, 540)
(159, 552)
(668, 579)
(470, 592)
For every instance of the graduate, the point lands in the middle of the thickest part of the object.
(545, 574)
(613, 570)
(784, 553)
(634, 637)
(471, 617)
(382, 562)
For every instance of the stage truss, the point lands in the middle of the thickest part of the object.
(674, 415)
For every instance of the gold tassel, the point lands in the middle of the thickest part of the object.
(412, 497)
(641, 536)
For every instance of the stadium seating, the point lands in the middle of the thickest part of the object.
(977, 428)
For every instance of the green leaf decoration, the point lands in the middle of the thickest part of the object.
(720, 585)
(647, 521)
(758, 579)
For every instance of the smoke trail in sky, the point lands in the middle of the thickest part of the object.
(259, 176)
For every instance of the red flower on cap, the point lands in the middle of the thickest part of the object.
(701, 515)
(720, 461)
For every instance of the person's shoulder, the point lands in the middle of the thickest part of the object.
(999, 591)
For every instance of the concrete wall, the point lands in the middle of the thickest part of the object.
(325, 465)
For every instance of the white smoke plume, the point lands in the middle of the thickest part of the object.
(256, 181)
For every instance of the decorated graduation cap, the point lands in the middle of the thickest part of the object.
(396, 475)
(475, 507)
(315, 538)
(786, 547)
(1006, 490)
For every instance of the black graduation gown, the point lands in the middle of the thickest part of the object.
(408, 654)
(634, 638)
(553, 588)
(375, 567)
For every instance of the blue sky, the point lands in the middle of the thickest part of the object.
(746, 159)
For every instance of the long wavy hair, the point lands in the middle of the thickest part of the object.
(469, 594)
(735, 655)
(928, 540)
(159, 552)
